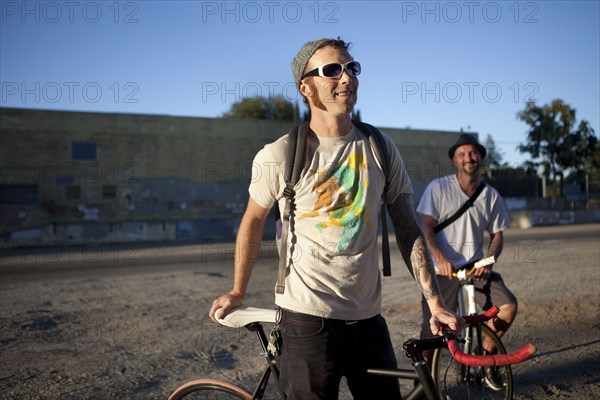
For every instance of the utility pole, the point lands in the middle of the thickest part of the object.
(543, 177)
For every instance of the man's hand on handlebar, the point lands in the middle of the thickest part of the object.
(483, 273)
(444, 320)
(480, 270)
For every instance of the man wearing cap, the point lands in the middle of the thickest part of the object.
(330, 322)
(462, 241)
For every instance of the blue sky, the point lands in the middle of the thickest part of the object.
(426, 65)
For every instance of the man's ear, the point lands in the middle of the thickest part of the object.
(305, 89)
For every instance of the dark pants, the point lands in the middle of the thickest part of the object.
(492, 292)
(316, 352)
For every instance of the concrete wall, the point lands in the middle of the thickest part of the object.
(153, 177)
(529, 219)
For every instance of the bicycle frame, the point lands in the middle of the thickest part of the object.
(424, 382)
(470, 308)
(271, 368)
(421, 375)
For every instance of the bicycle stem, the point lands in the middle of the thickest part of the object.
(414, 350)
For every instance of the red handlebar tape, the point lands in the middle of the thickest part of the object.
(491, 360)
(477, 319)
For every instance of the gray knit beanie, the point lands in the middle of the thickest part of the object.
(306, 52)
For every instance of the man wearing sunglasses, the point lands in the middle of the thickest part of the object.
(330, 322)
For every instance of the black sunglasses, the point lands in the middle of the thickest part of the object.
(335, 70)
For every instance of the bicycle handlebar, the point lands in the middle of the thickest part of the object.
(463, 273)
(488, 360)
(244, 316)
(486, 316)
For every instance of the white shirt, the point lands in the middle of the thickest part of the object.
(462, 241)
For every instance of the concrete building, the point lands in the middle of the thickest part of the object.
(79, 177)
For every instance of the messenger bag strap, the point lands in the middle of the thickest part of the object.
(461, 210)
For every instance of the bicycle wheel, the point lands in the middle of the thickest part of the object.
(207, 389)
(457, 381)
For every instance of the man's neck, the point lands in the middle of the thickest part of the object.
(326, 125)
(468, 183)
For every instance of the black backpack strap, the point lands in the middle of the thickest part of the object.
(379, 147)
(469, 203)
(294, 163)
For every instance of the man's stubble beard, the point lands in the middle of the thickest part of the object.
(317, 102)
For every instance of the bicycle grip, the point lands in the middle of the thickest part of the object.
(491, 360)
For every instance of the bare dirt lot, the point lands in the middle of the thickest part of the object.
(131, 323)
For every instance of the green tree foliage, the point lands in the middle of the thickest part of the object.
(264, 108)
(555, 141)
(590, 178)
(283, 109)
(249, 108)
(494, 154)
(493, 159)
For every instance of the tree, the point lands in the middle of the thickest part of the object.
(556, 141)
(262, 108)
(282, 109)
(249, 108)
(493, 159)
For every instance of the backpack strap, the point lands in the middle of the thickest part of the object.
(461, 211)
(296, 152)
(379, 147)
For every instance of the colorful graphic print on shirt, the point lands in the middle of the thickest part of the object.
(341, 195)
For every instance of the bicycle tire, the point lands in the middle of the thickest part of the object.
(207, 389)
(457, 381)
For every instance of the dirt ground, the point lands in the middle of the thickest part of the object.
(132, 323)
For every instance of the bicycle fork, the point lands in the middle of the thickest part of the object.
(470, 375)
(467, 290)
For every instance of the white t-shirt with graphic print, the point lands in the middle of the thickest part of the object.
(334, 271)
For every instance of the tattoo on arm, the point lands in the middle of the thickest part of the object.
(423, 270)
(412, 245)
(496, 245)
